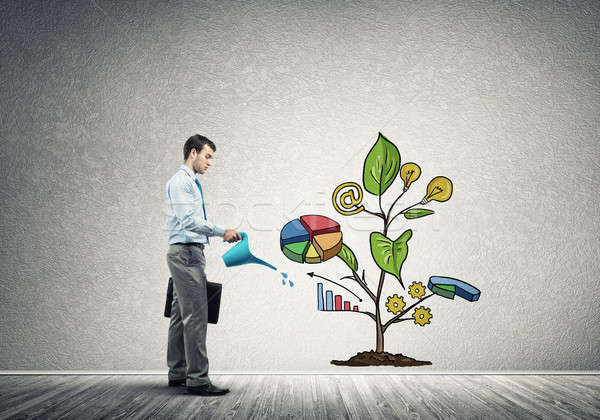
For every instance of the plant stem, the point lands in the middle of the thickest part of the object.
(388, 223)
(363, 285)
(379, 325)
(394, 203)
(374, 214)
(366, 313)
(380, 329)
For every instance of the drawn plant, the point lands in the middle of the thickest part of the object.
(313, 239)
(381, 168)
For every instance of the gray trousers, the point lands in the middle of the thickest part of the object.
(186, 351)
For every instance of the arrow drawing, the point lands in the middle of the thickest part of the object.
(312, 274)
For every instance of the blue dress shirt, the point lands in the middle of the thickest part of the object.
(186, 214)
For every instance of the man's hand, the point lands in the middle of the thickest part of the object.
(231, 236)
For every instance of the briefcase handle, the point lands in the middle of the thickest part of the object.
(169, 299)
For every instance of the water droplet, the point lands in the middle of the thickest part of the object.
(283, 281)
(291, 283)
(284, 275)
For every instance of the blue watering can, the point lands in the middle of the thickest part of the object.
(240, 254)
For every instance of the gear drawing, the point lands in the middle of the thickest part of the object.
(422, 315)
(416, 290)
(395, 304)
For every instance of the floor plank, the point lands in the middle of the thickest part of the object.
(505, 402)
(303, 397)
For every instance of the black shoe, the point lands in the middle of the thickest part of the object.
(177, 382)
(207, 390)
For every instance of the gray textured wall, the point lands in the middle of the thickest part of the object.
(98, 97)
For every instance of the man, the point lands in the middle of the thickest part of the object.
(189, 231)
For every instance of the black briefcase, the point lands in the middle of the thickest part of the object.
(213, 295)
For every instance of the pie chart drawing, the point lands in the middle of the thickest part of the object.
(311, 239)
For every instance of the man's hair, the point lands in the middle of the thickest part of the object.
(196, 142)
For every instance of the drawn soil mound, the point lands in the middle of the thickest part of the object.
(372, 358)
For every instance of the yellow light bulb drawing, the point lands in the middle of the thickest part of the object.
(438, 189)
(409, 173)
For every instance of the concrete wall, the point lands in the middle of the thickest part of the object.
(97, 99)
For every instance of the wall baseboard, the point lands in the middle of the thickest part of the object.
(355, 371)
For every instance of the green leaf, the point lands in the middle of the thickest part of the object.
(390, 255)
(381, 166)
(348, 256)
(416, 213)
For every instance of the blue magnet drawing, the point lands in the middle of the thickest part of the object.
(448, 287)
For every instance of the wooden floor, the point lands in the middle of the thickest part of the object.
(304, 396)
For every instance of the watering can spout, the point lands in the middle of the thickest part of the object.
(240, 254)
(255, 260)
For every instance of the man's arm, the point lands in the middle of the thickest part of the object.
(182, 200)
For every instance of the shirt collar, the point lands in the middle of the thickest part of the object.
(188, 171)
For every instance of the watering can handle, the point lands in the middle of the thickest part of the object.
(242, 234)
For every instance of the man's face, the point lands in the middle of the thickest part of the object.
(203, 159)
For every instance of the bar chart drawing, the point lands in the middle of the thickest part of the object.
(332, 302)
